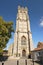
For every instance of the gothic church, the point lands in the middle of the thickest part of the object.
(23, 43)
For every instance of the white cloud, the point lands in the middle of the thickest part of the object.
(41, 22)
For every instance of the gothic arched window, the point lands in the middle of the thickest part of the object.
(23, 40)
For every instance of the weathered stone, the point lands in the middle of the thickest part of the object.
(23, 43)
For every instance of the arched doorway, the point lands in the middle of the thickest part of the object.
(24, 53)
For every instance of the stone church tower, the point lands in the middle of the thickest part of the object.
(23, 37)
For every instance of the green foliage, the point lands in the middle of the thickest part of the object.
(6, 28)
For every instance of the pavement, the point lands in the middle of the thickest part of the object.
(19, 62)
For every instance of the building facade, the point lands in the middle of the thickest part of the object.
(23, 43)
(10, 50)
(37, 53)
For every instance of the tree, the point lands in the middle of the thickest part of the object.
(6, 28)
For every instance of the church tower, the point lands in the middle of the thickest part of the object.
(23, 37)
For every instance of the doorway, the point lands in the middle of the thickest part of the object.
(24, 53)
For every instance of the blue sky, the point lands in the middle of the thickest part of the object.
(8, 10)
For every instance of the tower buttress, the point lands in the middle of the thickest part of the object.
(23, 37)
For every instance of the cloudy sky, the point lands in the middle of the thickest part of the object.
(8, 10)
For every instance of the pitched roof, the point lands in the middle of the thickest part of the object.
(39, 46)
(38, 49)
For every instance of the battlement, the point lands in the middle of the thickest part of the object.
(22, 9)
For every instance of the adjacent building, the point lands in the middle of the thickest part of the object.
(37, 53)
(10, 50)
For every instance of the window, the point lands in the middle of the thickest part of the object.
(39, 53)
(23, 40)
